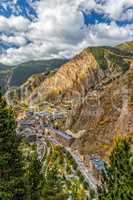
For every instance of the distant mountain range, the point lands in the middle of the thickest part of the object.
(17, 75)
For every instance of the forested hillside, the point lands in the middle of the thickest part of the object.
(16, 75)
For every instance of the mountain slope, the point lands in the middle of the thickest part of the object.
(95, 91)
(127, 46)
(3, 67)
(96, 84)
(103, 114)
(23, 71)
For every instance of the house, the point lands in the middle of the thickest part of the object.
(61, 136)
(30, 113)
(29, 134)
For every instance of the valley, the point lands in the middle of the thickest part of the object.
(90, 91)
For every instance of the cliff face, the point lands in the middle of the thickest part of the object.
(103, 115)
(70, 77)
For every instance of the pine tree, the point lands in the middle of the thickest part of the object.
(117, 184)
(11, 172)
(35, 176)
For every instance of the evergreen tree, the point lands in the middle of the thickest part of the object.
(11, 173)
(35, 177)
(117, 184)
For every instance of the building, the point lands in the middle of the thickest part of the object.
(29, 134)
(61, 137)
(76, 135)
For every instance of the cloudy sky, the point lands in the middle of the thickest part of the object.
(44, 29)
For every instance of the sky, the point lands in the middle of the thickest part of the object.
(46, 29)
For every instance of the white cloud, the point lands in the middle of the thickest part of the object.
(60, 31)
(115, 8)
(14, 23)
(110, 34)
(16, 40)
(128, 15)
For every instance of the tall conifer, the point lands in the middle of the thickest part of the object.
(118, 183)
(11, 172)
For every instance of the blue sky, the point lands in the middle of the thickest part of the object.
(44, 29)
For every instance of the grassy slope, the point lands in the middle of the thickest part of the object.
(114, 56)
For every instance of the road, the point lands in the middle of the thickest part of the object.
(83, 169)
(76, 156)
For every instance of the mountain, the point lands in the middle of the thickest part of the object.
(17, 75)
(2, 66)
(89, 70)
(94, 89)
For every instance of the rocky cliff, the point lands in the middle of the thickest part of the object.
(91, 69)
(103, 114)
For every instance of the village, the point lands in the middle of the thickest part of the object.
(35, 127)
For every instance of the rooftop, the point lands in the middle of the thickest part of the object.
(60, 133)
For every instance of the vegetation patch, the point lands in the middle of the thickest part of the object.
(107, 55)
